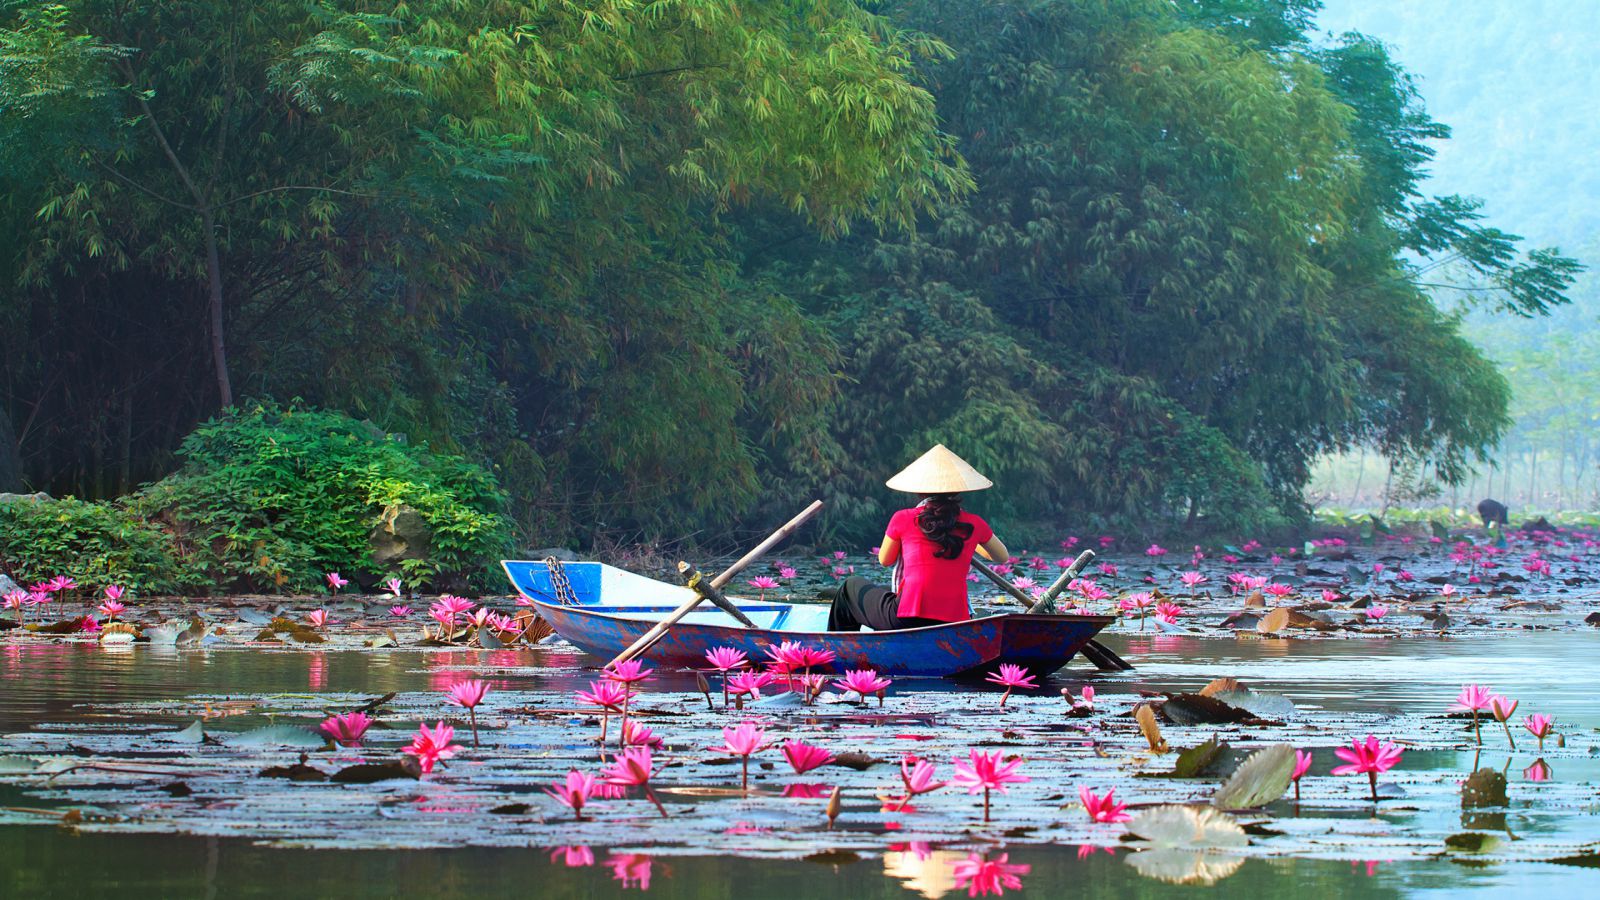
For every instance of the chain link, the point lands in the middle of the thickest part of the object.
(565, 595)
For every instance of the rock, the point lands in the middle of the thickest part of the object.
(558, 552)
(7, 586)
(35, 497)
(401, 533)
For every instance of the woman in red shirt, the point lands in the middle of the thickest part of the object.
(931, 547)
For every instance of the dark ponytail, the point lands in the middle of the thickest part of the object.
(939, 518)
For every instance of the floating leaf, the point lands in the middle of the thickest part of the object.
(1196, 709)
(194, 734)
(1181, 827)
(279, 736)
(1146, 718)
(17, 765)
(1263, 777)
(297, 772)
(1220, 686)
(163, 635)
(488, 641)
(368, 773)
(1262, 706)
(1193, 761)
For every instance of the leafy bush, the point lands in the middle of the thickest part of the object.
(271, 498)
(98, 544)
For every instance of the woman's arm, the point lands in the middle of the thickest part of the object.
(888, 551)
(994, 549)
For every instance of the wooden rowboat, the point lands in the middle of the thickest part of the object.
(609, 609)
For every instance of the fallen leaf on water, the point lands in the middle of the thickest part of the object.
(1263, 777)
(1146, 718)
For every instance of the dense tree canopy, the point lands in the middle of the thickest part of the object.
(664, 264)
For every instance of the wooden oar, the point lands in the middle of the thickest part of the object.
(1095, 652)
(660, 628)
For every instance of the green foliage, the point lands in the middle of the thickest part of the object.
(271, 498)
(97, 544)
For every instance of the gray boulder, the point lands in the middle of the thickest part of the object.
(7, 586)
(401, 533)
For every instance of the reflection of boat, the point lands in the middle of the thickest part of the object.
(608, 609)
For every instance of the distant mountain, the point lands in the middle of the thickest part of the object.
(1517, 82)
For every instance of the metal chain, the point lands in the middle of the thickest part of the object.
(565, 595)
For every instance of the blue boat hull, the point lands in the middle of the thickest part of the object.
(1041, 644)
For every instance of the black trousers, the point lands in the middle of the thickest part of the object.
(859, 602)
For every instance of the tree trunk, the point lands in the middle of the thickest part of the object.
(10, 457)
(219, 352)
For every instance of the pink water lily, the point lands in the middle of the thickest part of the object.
(743, 741)
(469, 694)
(918, 777)
(1192, 579)
(574, 792)
(430, 746)
(634, 767)
(763, 584)
(1503, 708)
(1103, 809)
(629, 673)
(1474, 698)
(1376, 611)
(1302, 765)
(804, 757)
(1369, 758)
(394, 587)
(864, 682)
(725, 658)
(749, 683)
(1447, 590)
(111, 609)
(636, 735)
(17, 600)
(986, 772)
(1155, 550)
(982, 876)
(346, 729)
(610, 697)
(114, 592)
(61, 583)
(1168, 612)
(335, 581)
(1539, 725)
(1109, 570)
(1277, 590)
(1011, 677)
(318, 618)
(89, 624)
(400, 612)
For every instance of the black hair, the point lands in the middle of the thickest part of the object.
(939, 518)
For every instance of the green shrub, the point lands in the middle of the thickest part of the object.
(97, 544)
(271, 498)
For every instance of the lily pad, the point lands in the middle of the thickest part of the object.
(1472, 842)
(163, 635)
(368, 773)
(279, 736)
(194, 734)
(17, 765)
(1262, 706)
(1193, 762)
(1181, 827)
(1262, 778)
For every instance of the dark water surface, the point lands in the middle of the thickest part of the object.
(1554, 672)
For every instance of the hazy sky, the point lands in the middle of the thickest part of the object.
(1518, 82)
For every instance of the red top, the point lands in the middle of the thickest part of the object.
(930, 587)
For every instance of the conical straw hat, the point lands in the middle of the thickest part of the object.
(939, 472)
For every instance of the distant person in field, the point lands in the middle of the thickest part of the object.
(930, 545)
(1493, 512)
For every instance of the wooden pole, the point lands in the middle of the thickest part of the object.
(660, 628)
